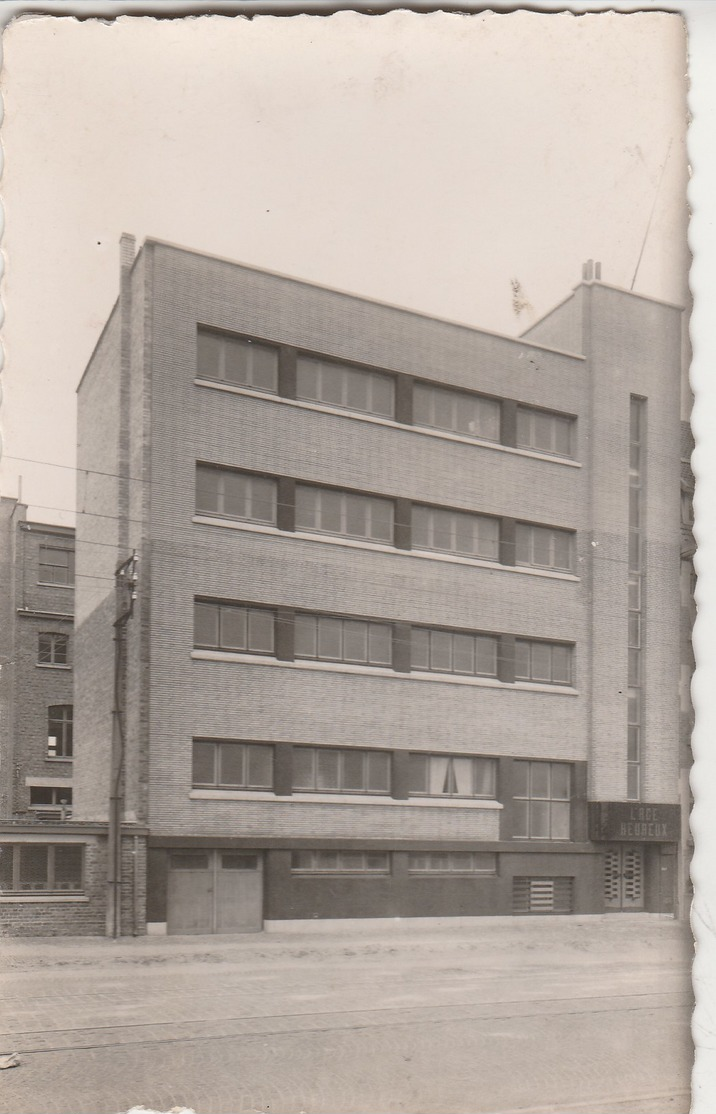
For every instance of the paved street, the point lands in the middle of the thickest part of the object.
(561, 1014)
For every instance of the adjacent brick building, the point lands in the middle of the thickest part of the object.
(37, 594)
(403, 642)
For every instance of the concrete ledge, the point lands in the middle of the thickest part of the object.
(420, 924)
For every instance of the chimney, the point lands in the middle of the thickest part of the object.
(591, 271)
(127, 251)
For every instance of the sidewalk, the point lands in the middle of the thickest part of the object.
(527, 940)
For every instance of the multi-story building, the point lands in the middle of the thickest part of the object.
(406, 593)
(37, 594)
(46, 873)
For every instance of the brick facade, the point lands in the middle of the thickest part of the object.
(145, 420)
(30, 688)
(76, 914)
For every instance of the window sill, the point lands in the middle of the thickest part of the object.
(58, 758)
(381, 671)
(35, 898)
(441, 435)
(49, 665)
(49, 584)
(377, 547)
(343, 799)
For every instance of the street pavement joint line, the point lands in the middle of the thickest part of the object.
(598, 1104)
(452, 1006)
(319, 1029)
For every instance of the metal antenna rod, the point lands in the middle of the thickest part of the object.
(651, 214)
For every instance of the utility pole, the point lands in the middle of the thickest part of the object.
(126, 593)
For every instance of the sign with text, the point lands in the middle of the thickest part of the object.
(627, 821)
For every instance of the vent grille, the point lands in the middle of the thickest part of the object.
(542, 895)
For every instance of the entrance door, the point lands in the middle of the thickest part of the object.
(624, 876)
(239, 892)
(214, 892)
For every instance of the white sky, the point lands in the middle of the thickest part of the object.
(423, 160)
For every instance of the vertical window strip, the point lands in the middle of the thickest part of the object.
(636, 616)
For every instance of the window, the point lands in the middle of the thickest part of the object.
(452, 862)
(472, 535)
(51, 797)
(345, 387)
(53, 649)
(445, 775)
(230, 494)
(457, 411)
(548, 663)
(41, 867)
(544, 431)
(237, 360)
(325, 638)
(188, 860)
(59, 731)
(232, 765)
(544, 547)
(223, 626)
(57, 566)
(438, 651)
(324, 511)
(340, 862)
(542, 796)
(324, 769)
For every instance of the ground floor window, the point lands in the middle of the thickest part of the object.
(41, 867)
(452, 862)
(340, 862)
(542, 895)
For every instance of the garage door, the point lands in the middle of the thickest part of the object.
(214, 891)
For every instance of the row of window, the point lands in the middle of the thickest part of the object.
(541, 790)
(37, 867)
(529, 895)
(232, 765)
(379, 862)
(243, 362)
(242, 628)
(33, 868)
(245, 497)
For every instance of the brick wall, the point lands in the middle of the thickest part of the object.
(635, 350)
(85, 915)
(97, 558)
(170, 422)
